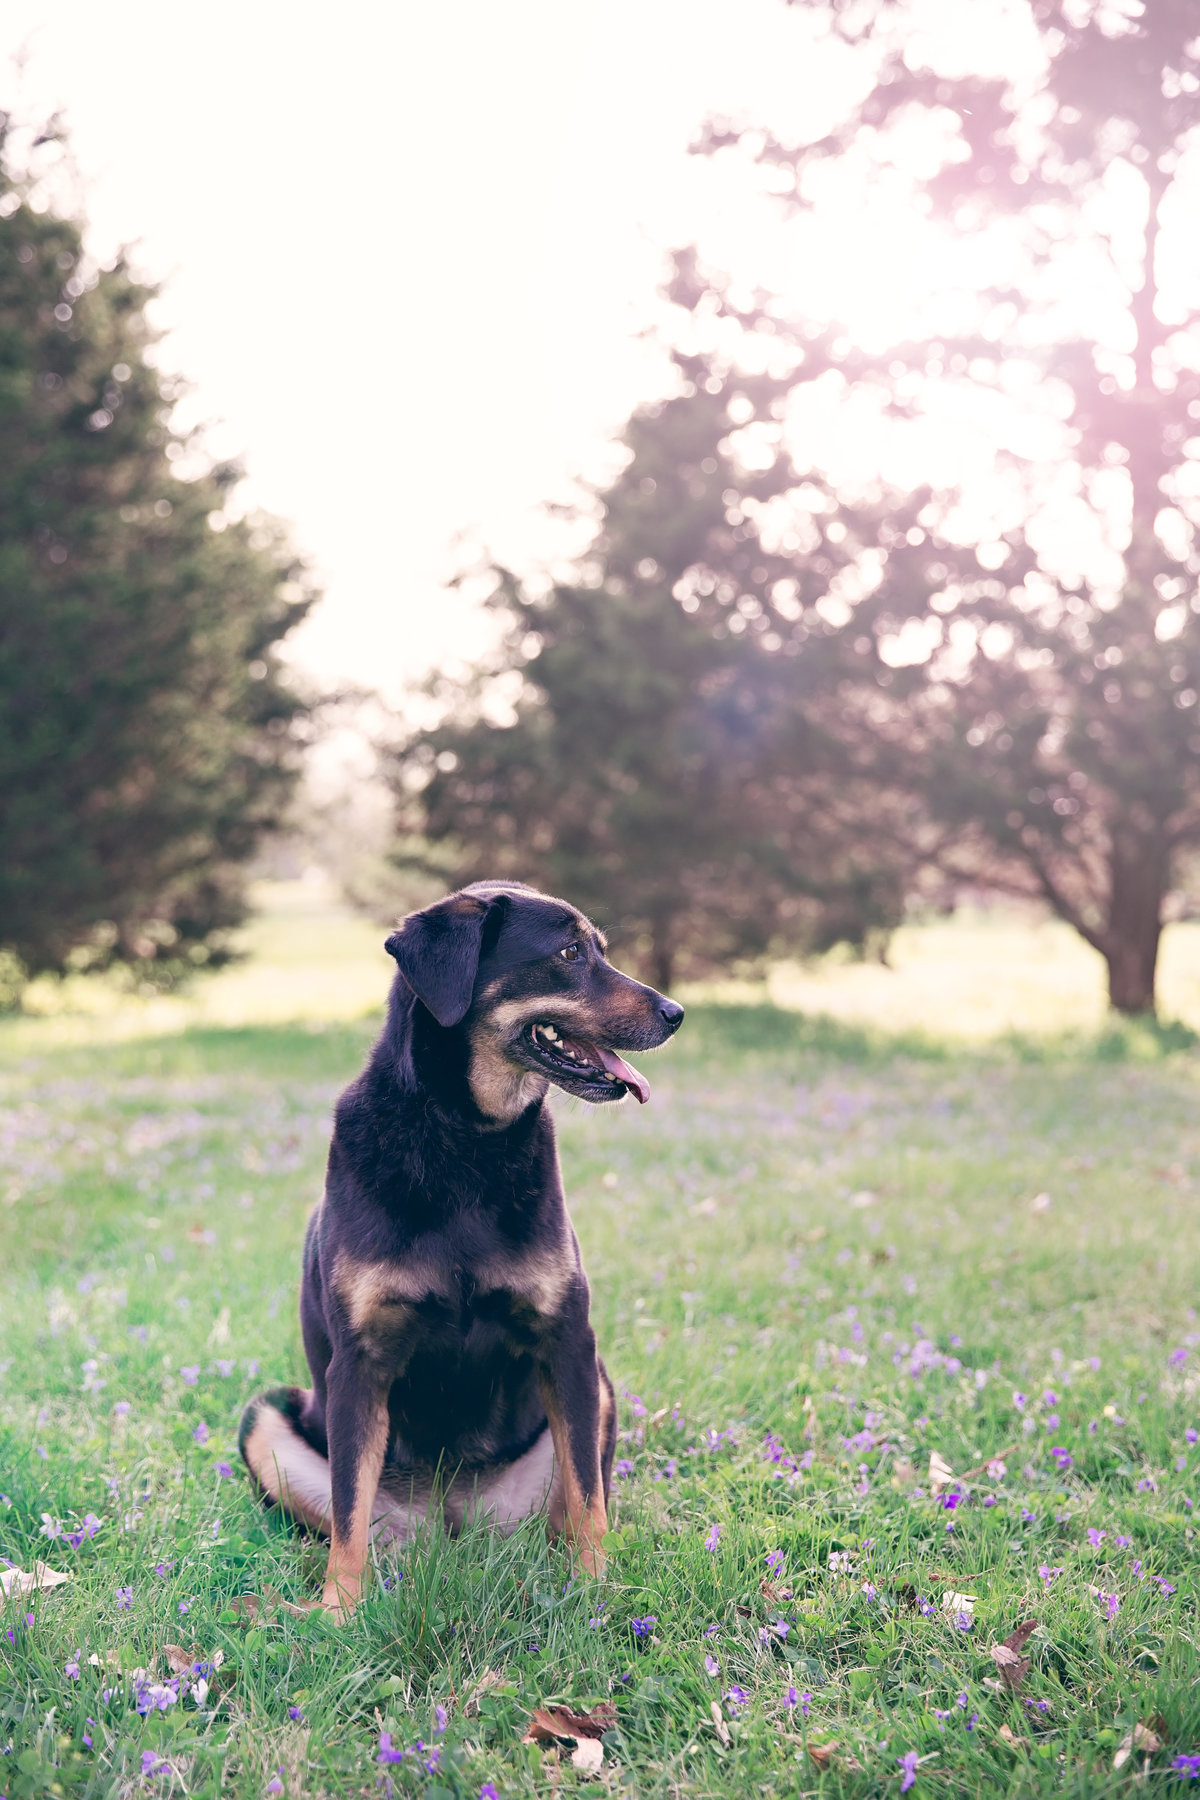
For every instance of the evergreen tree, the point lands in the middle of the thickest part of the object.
(147, 734)
(674, 765)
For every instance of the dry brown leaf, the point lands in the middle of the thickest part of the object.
(587, 1756)
(1007, 1656)
(295, 1609)
(744, 1611)
(959, 1603)
(719, 1725)
(774, 1596)
(182, 1662)
(903, 1473)
(823, 1755)
(487, 1680)
(940, 1472)
(549, 1723)
(1140, 1738)
(1010, 1737)
(21, 1581)
(247, 1605)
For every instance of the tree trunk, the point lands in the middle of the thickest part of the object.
(662, 961)
(1130, 945)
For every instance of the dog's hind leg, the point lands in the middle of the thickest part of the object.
(282, 1457)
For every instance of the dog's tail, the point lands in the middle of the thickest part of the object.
(288, 1468)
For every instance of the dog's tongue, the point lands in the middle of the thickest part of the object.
(616, 1065)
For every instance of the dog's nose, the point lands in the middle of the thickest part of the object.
(671, 1014)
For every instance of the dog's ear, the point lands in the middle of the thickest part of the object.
(437, 952)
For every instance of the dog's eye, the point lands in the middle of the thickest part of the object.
(572, 953)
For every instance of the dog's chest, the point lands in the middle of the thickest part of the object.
(509, 1294)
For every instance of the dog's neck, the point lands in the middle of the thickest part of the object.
(457, 1073)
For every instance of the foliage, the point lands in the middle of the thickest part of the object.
(1055, 705)
(754, 1320)
(147, 733)
(673, 764)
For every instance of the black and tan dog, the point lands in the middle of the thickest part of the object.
(444, 1306)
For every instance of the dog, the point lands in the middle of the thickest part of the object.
(443, 1303)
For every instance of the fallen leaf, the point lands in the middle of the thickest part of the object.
(940, 1472)
(823, 1755)
(296, 1609)
(744, 1611)
(1007, 1656)
(1140, 1738)
(1010, 1737)
(719, 1725)
(111, 1657)
(548, 1723)
(182, 1662)
(959, 1603)
(774, 1596)
(1040, 1203)
(247, 1605)
(488, 1679)
(21, 1581)
(587, 1756)
(903, 1473)
(883, 1256)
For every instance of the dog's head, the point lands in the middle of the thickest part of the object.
(526, 979)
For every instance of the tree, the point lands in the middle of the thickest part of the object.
(672, 765)
(147, 732)
(1054, 708)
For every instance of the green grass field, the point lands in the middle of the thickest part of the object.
(826, 1250)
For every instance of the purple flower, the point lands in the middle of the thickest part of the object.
(1112, 1605)
(201, 1433)
(1147, 1485)
(711, 1666)
(1095, 1538)
(973, 1721)
(441, 1717)
(275, 1785)
(736, 1697)
(774, 1561)
(1122, 1543)
(124, 1599)
(488, 1791)
(163, 1569)
(1063, 1458)
(294, 1712)
(1180, 1464)
(386, 1753)
(1027, 1517)
(963, 1621)
(624, 1468)
(713, 1538)
(1047, 1574)
(1186, 1767)
(121, 1408)
(962, 1701)
(941, 1716)
(184, 1606)
(190, 1373)
(432, 1760)
(1191, 1435)
(1049, 1397)
(642, 1628)
(869, 1591)
(71, 1669)
(224, 1471)
(1164, 1585)
(1020, 1401)
(1178, 1357)
(152, 1763)
(909, 1762)
(951, 1500)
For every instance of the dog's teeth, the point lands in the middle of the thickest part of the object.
(548, 1031)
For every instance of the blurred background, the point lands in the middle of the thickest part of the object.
(738, 466)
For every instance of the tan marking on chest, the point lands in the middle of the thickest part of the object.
(377, 1295)
(540, 1278)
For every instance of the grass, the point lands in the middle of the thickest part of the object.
(825, 1250)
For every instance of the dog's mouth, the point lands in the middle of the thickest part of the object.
(584, 1063)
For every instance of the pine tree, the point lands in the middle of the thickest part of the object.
(147, 733)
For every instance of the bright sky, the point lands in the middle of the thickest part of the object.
(407, 249)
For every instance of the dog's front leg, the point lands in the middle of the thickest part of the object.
(356, 1414)
(576, 1403)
